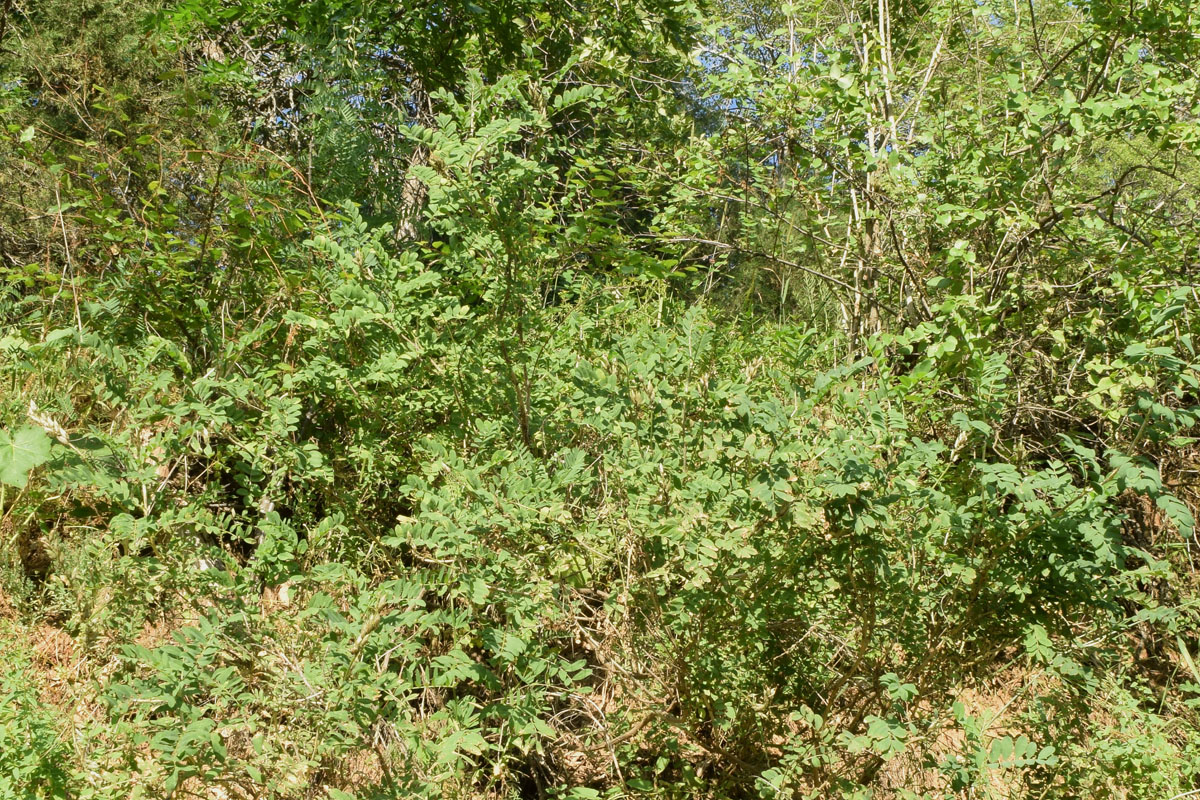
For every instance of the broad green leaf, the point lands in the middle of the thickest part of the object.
(20, 453)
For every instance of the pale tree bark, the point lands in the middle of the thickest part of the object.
(414, 192)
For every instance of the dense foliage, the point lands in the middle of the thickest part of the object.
(518, 398)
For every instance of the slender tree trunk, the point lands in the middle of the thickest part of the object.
(414, 192)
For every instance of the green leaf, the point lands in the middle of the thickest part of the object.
(20, 453)
(1187, 656)
(1037, 643)
(1178, 512)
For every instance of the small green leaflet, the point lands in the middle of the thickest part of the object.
(1178, 512)
(1187, 657)
(1037, 643)
(20, 453)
